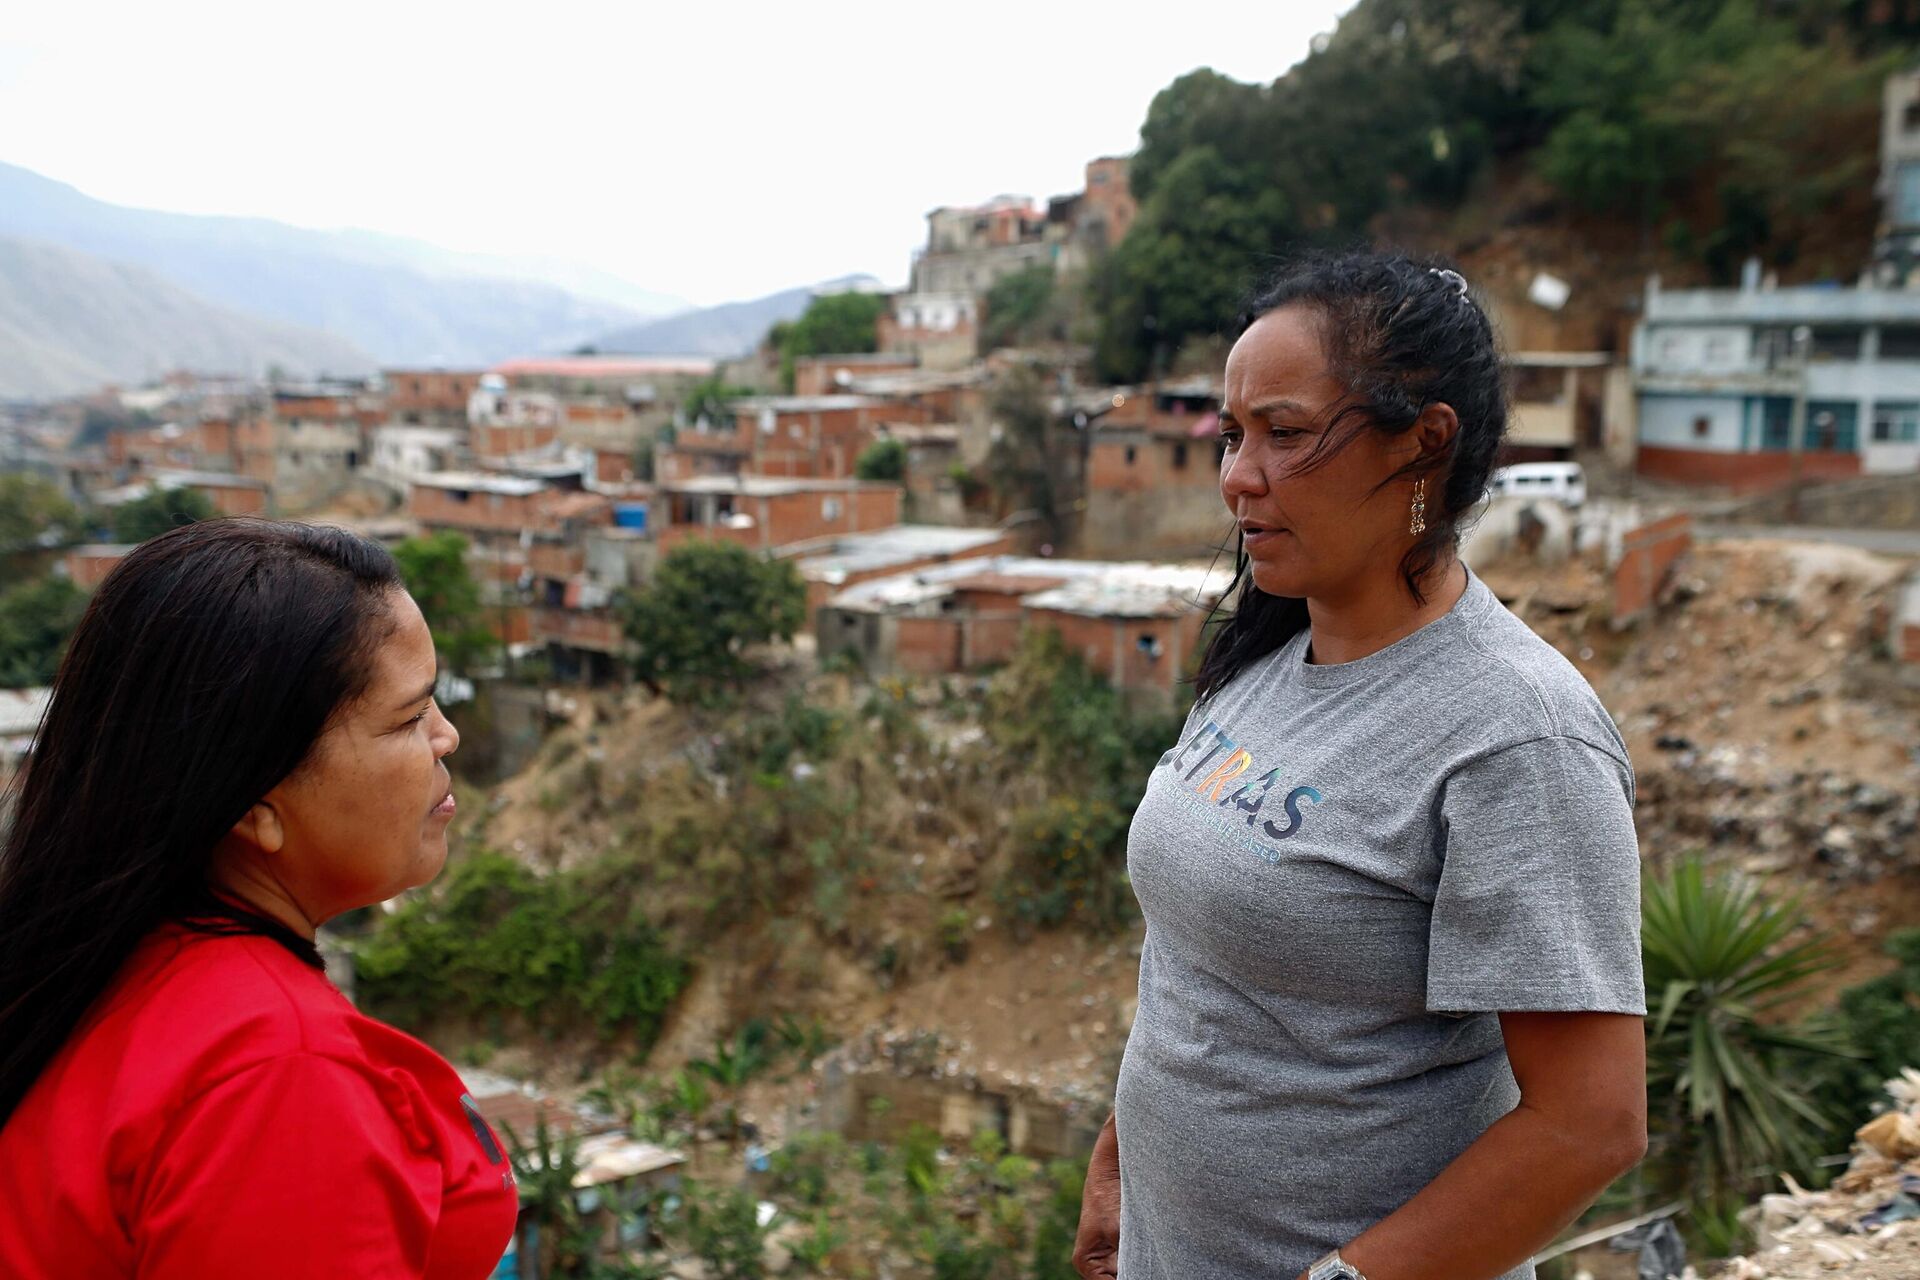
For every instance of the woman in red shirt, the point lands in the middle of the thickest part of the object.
(242, 743)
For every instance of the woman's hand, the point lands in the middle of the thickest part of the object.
(1096, 1249)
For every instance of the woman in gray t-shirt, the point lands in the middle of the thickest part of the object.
(1390, 993)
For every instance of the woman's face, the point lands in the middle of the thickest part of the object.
(366, 815)
(1313, 533)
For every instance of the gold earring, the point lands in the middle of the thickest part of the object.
(1418, 524)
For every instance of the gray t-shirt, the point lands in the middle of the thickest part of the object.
(1347, 871)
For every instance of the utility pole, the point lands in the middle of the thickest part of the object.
(1797, 420)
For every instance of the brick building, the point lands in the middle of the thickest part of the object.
(88, 566)
(935, 330)
(611, 402)
(429, 397)
(818, 437)
(504, 519)
(834, 564)
(1136, 624)
(970, 247)
(830, 375)
(575, 578)
(766, 513)
(308, 443)
(230, 495)
(1153, 473)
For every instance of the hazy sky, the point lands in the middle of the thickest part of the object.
(714, 151)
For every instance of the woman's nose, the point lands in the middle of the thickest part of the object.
(447, 741)
(1242, 475)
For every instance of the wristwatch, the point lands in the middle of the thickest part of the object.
(1334, 1267)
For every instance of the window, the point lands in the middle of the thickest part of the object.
(1910, 117)
(1180, 456)
(1719, 349)
(1833, 426)
(1835, 344)
(1702, 427)
(1900, 342)
(1896, 423)
(1131, 452)
(1906, 193)
(830, 508)
(1774, 417)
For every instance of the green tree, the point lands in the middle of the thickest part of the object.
(36, 618)
(434, 567)
(1075, 734)
(159, 510)
(708, 603)
(711, 398)
(1018, 309)
(882, 460)
(544, 1166)
(1720, 962)
(1031, 462)
(1200, 243)
(832, 324)
(33, 513)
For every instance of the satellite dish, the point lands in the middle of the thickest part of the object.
(1549, 291)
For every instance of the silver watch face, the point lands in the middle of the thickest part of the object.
(1333, 1267)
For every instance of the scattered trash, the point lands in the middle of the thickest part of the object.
(1866, 1226)
(1663, 1254)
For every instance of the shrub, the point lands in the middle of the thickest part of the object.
(882, 460)
(1719, 957)
(495, 938)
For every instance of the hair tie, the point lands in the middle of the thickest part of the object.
(1454, 278)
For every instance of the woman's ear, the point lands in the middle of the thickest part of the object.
(260, 827)
(1434, 429)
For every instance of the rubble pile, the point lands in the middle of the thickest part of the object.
(1866, 1226)
(1824, 824)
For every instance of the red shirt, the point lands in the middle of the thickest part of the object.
(224, 1112)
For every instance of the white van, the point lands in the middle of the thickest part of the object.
(1561, 481)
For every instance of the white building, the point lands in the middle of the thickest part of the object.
(403, 454)
(1718, 373)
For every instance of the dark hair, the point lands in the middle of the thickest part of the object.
(203, 671)
(1400, 335)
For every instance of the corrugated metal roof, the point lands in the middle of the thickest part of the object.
(1137, 591)
(836, 560)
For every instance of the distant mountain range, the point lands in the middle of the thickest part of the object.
(70, 322)
(731, 329)
(402, 301)
(91, 291)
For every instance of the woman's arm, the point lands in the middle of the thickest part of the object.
(1581, 1123)
(1096, 1248)
(295, 1168)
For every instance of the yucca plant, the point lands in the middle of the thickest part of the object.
(1721, 960)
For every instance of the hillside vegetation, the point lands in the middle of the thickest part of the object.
(1684, 134)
